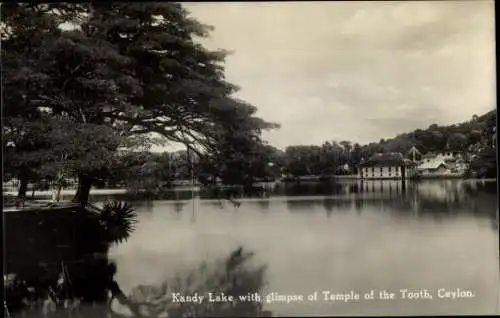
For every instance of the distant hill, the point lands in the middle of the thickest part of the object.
(462, 136)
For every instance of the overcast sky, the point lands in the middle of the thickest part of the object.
(356, 71)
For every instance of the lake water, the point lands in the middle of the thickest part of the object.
(435, 235)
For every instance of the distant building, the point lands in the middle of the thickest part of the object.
(414, 154)
(437, 165)
(387, 166)
(447, 155)
(345, 169)
(428, 157)
(445, 163)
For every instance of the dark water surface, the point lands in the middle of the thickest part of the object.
(340, 238)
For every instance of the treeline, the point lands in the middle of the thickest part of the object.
(474, 137)
(331, 158)
(149, 171)
(467, 136)
(264, 162)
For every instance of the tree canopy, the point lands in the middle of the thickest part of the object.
(473, 136)
(123, 70)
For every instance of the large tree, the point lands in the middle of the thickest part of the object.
(184, 95)
(241, 157)
(26, 29)
(137, 69)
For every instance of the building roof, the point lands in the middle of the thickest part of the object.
(414, 150)
(429, 155)
(384, 160)
(433, 164)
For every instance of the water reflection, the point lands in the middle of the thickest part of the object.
(58, 262)
(302, 205)
(235, 276)
(329, 206)
(351, 236)
(421, 199)
(332, 236)
(310, 188)
(145, 206)
(179, 205)
(264, 205)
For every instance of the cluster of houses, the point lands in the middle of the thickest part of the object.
(443, 164)
(414, 165)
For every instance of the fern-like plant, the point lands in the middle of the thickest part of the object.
(118, 219)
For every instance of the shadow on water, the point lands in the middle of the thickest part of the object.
(57, 265)
(56, 261)
(234, 276)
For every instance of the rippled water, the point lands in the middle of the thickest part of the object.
(341, 238)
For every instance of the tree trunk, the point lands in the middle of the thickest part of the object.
(58, 194)
(23, 187)
(83, 190)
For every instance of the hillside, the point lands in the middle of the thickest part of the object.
(462, 136)
(474, 136)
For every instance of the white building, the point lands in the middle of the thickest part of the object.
(387, 166)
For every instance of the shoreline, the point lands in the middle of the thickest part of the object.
(198, 188)
(70, 192)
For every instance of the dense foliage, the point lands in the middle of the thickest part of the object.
(241, 163)
(127, 71)
(473, 137)
(459, 137)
